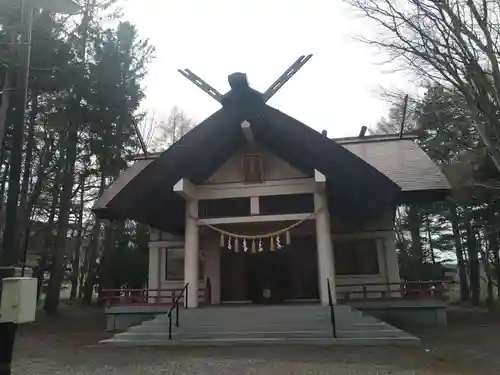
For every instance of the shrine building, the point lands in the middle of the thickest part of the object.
(269, 211)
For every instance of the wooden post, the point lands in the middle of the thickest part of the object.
(324, 247)
(191, 253)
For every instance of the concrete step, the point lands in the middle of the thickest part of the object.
(245, 319)
(138, 336)
(354, 320)
(232, 325)
(249, 315)
(245, 341)
(362, 333)
(227, 327)
(365, 327)
(263, 324)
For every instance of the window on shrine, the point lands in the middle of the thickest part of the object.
(286, 204)
(356, 257)
(174, 265)
(252, 167)
(227, 207)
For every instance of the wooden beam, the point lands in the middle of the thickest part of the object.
(319, 177)
(320, 180)
(376, 234)
(200, 83)
(247, 132)
(254, 206)
(167, 243)
(256, 219)
(289, 73)
(185, 189)
(235, 190)
(158, 235)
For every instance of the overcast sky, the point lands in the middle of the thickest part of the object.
(336, 90)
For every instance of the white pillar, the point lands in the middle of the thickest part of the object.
(153, 275)
(391, 261)
(325, 248)
(191, 252)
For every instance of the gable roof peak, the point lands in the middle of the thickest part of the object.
(238, 81)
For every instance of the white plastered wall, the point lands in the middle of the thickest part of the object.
(387, 262)
(209, 252)
(380, 230)
(274, 169)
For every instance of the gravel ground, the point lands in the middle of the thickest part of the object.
(229, 361)
(67, 346)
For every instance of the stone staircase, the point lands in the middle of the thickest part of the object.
(286, 324)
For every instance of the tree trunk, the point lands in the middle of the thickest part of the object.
(76, 258)
(473, 252)
(57, 267)
(496, 258)
(6, 91)
(5, 173)
(462, 270)
(30, 145)
(24, 219)
(42, 265)
(492, 266)
(429, 237)
(489, 298)
(56, 277)
(46, 157)
(91, 260)
(48, 243)
(5, 176)
(84, 273)
(105, 281)
(93, 252)
(9, 255)
(4, 106)
(414, 224)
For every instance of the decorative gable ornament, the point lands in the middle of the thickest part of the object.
(239, 80)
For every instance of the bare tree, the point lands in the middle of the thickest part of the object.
(147, 128)
(451, 42)
(166, 133)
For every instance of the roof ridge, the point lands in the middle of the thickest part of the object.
(341, 140)
(375, 138)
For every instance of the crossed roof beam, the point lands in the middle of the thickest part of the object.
(268, 94)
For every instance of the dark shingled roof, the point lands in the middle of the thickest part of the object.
(359, 187)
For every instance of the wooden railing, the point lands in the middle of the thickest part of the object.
(149, 297)
(404, 289)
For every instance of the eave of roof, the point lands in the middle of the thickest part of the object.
(377, 138)
(400, 159)
(147, 194)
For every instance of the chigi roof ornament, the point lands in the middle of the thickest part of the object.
(238, 81)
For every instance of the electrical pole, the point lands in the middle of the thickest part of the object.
(9, 255)
(9, 252)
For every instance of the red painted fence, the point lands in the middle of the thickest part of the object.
(144, 297)
(402, 290)
(345, 292)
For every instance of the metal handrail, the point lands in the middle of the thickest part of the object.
(332, 310)
(208, 292)
(176, 308)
